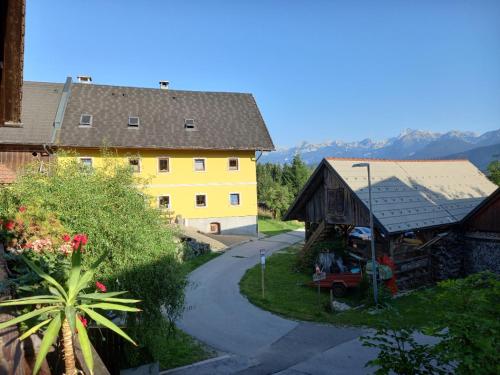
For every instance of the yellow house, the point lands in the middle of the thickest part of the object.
(198, 150)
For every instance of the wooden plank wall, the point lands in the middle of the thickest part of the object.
(353, 212)
(15, 158)
(487, 219)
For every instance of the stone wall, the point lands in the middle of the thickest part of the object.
(481, 254)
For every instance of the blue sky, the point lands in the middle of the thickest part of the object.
(320, 70)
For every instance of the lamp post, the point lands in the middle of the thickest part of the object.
(372, 233)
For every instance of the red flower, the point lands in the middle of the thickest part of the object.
(9, 225)
(79, 241)
(83, 320)
(66, 238)
(22, 209)
(100, 286)
(28, 245)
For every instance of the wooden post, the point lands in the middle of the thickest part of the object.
(262, 281)
(262, 270)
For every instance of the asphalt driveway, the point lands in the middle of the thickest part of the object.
(254, 341)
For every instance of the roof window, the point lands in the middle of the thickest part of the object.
(133, 121)
(189, 124)
(86, 120)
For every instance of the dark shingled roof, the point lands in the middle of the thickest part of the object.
(223, 120)
(40, 101)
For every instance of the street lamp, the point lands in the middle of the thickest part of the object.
(372, 233)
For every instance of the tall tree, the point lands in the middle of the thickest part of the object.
(494, 171)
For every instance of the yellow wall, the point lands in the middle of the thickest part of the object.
(182, 182)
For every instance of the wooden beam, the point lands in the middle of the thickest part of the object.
(11, 61)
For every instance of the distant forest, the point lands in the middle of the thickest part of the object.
(278, 185)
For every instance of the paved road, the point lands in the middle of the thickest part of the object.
(255, 341)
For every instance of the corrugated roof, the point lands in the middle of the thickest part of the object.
(410, 195)
(40, 101)
(223, 120)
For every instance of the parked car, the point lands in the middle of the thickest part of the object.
(361, 233)
(410, 234)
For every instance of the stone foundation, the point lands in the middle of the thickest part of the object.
(240, 225)
(481, 254)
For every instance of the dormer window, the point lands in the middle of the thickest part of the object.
(133, 121)
(85, 120)
(189, 124)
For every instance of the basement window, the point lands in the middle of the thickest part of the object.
(164, 202)
(189, 124)
(133, 121)
(201, 200)
(135, 165)
(85, 120)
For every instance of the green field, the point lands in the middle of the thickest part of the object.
(287, 295)
(272, 227)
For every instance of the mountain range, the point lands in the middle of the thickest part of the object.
(409, 144)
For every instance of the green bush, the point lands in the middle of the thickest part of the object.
(107, 205)
(467, 324)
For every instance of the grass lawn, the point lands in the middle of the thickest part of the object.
(272, 227)
(287, 295)
(180, 349)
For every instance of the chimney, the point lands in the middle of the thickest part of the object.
(164, 85)
(84, 79)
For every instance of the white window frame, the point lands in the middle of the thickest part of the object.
(237, 164)
(158, 164)
(193, 128)
(239, 199)
(140, 164)
(169, 202)
(204, 164)
(134, 126)
(196, 202)
(86, 125)
(80, 158)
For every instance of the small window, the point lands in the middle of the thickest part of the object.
(234, 198)
(233, 164)
(86, 120)
(201, 200)
(189, 124)
(163, 165)
(164, 202)
(199, 165)
(86, 162)
(135, 165)
(133, 121)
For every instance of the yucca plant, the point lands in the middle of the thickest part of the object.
(64, 309)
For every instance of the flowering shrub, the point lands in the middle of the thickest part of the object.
(59, 308)
(139, 252)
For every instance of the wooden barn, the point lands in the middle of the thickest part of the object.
(422, 199)
(480, 231)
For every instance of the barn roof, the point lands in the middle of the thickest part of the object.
(413, 194)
